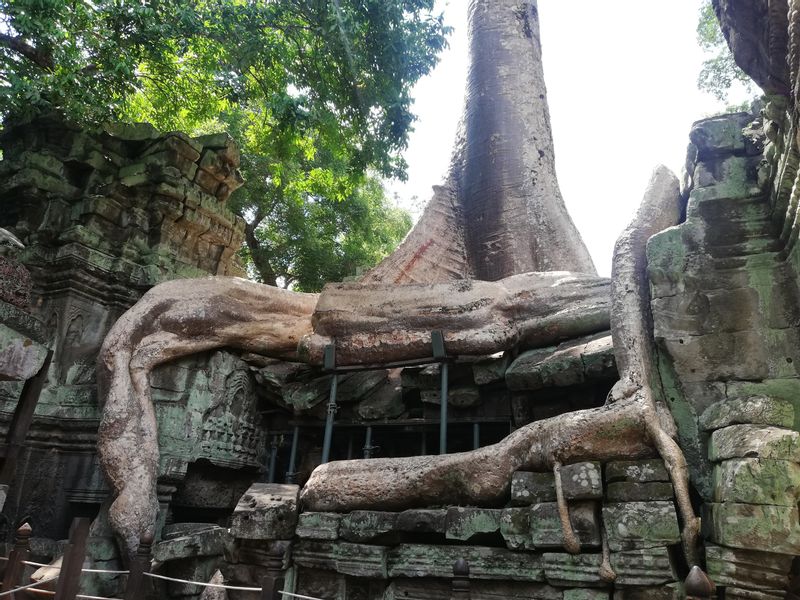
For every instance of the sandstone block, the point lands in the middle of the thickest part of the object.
(464, 523)
(545, 525)
(757, 481)
(755, 527)
(747, 568)
(585, 594)
(530, 488)
(651, 566)
(754, 441)
(582, 570)
(201, 541)
(582, 481)
(757, 410)
(418, 560)
(672, 591)
(637, 471)
(630, 491)
(515, 527)
(20, 357)
(356, 560)
(267, 511)
(490, 371)
(367, 525)
(318, 526)
(635, 525)
(421, 521)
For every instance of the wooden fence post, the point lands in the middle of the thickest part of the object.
(460, 587)
(272, 582)
(15, 567)
(69, 580)
(135, 589)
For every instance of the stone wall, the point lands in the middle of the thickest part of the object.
(104, 216)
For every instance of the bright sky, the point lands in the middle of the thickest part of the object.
(621, 82)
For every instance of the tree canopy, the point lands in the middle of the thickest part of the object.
(317, 93)
(719, 72)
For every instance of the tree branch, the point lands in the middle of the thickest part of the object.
(20, 46)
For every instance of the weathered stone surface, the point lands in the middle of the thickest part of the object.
(570, 363)
(757, 481)
(755, 527)
(530, 488)
(634, 525)
(318, 526)
(411, 560)
(738, 593)
(565, 570)
(672, 591)
(210, 593)
(490, 371)
(585, 594)
(546, 530)
(422, 521)
(464, 523)
(582, 481)
(267, 511)
(358, 560)
(515, 527)
(757, 410)
(201, 540)
(643, 567)
(631, 491)
(637, 471)
(754, 441)
(20, 356)
(367, 525)
(438, 589)
(747, 568)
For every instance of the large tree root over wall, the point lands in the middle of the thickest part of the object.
(632, 424)
(377, 323)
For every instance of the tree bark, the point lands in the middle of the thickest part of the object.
(500, 211)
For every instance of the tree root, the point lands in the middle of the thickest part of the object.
(571, 542)
(607, 573)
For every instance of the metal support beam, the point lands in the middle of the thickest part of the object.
(330, 364)
(291, 474)
(368, 447)
(273, 458)
(440, 353)
(476, 436)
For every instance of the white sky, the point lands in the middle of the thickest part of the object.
(621, 82)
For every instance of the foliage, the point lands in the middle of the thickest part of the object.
(720, 72)
(315, 91)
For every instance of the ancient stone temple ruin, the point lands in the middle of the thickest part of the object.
(480, 416)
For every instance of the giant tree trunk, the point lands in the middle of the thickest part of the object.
(500, 211)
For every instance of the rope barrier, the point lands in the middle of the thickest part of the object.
(211, 585)
(298, 596)
(81, 596)
(109, 572)
(30, 585)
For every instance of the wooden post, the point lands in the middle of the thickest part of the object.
(461, 586)
(698, 585)
(137, 584)
(15, 567)
(272, 582)
(69, 580)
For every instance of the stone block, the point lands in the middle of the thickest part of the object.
(515, 527)
(756, 410)
(586, 594)
(202, 540)
(356, 560)
(754, 527)
(737, 593)
(719, 136)
(267, 511)
(631, 491)
(318, 526)
(672, 591)
(651, 566)
(490, 371)
(464, 523)
(367, 525)
(418, 560)
(747, 568)
(545, 525)
(757, 481)
(568, 570)
(634, 525)
(582, 481)
(421, 521)
(637, 471)
(754, 441)
(530, 488)
(440, 589)
(20, 357)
